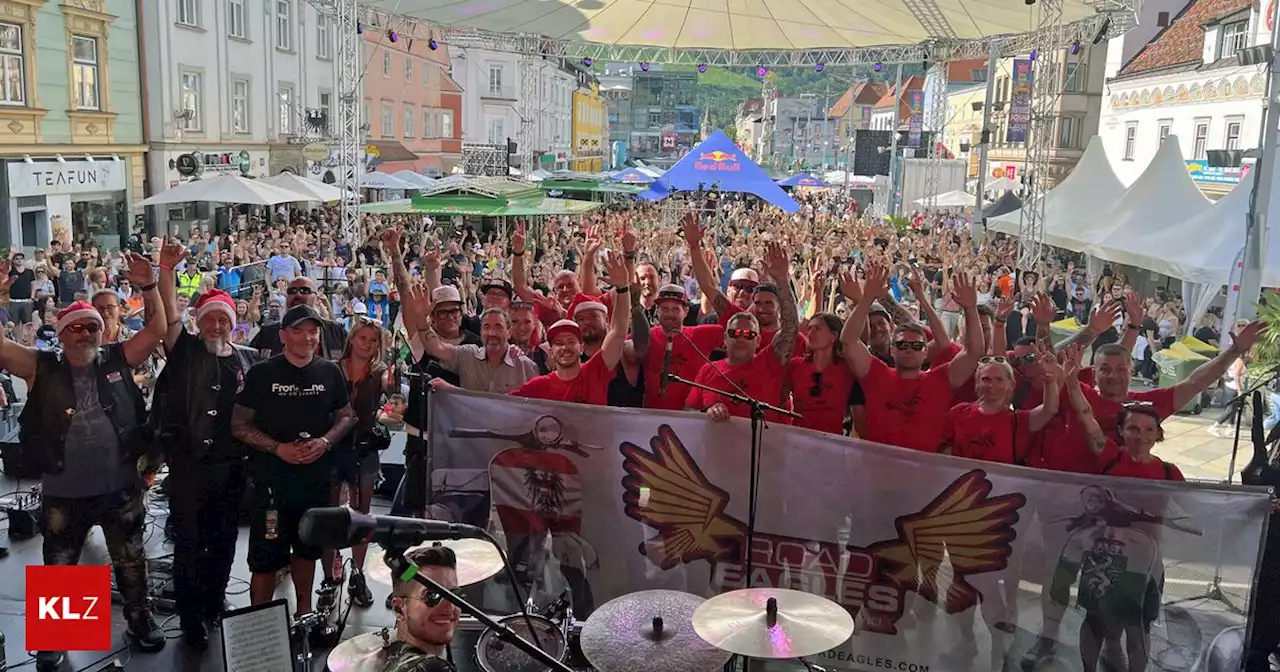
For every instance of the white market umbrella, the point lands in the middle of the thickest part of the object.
(227, 189)
(951, 199)
(318, 191)
(418, 180)
(383, 181)
(1001, 184)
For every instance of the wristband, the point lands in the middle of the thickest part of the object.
(166, 268)
(1000, 321)
(1132, 326)
(623, 289)
(147, 288)
(517, 254)
(629, 256)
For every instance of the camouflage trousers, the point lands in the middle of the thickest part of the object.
(122, 517)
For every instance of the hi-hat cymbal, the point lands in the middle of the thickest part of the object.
(477, 560)
(362, 653)
(772, 623)
(648, 631)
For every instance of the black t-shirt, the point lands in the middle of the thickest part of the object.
(21, 287)
(230, 378)
(288, 402)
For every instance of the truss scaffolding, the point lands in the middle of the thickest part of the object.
(1045, 91)
(348, 129)
(488, 160)
(935, 120)
(529, 109)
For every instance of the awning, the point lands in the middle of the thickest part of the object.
(389, 151)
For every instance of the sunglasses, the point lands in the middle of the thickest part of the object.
(305, 291)
(1137, 404)
(816, 390)
(909, 345)
(1028, 358)
(744, 286)
(448, 312)
(91, 328)
(431, 598)
(998, 359)
(746, 334)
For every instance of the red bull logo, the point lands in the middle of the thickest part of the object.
(717, 161)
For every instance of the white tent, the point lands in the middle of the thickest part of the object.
(836, 178)
(951, 199)
(1162, 195)
(1001, 184)
(538, 175)
(318, 191)
(416, 180)
(1090, 189)
(383, 181)
(226, 189)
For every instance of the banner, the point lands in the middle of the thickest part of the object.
(945, 563)
(915, 121)
(1019, 102)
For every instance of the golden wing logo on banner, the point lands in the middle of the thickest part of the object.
(964, 525)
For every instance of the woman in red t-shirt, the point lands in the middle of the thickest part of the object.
(989, 429)
(820, 382)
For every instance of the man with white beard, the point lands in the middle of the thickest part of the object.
(193, 401)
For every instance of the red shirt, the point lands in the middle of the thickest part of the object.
(1114, 461)
(906, 412)
(766, 337)
(964, 394)
(761, 379)
(1073, 453)
(685, 362)
(548, 316)
(995, 437)
(826, 410)
(591, 386)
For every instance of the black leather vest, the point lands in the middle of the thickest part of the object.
(51, 404)
(185, 406)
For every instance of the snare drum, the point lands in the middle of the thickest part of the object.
(495, 655)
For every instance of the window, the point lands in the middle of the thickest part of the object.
(287, 101)
(284, 24)
(1233, 135)
(84, 68)
(1130, 140)
(427, 130)
(408, 68)
(1067, 132)
(1235, 36)
(235, 19)
(240, 105)
(326, 105)
(427, 68)
(1162, 131)
(978, 75)
(409, 123)
(13, 88)
(388, 129)
(386, 64)
(497, 131)
(1202, 136)
(324, 36)
(192, 96)
(495, 80)
(189, 12)
(1071, 82)
(366, 117)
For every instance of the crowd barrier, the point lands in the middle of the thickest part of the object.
(932, 554)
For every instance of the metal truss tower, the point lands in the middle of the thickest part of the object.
(768, 94)
(1045, 90)
(530, 111)
(347, 127)
(935, 121)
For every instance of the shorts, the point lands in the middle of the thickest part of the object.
(354, 470)
(271, 555)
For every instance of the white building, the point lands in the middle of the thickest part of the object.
(553, 135)
(1187, 82)
(490, 82)
(228, 78)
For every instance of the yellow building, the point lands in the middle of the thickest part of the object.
(588, 130)
(963, 128)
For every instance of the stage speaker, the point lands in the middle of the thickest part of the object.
(20, 460)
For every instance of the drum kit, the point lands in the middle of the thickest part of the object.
(646, 631)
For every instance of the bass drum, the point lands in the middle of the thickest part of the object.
(495, 655)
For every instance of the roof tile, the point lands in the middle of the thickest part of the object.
(1182, 41)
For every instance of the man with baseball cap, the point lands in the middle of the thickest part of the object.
(294, 407)
(675, 349)
(302, 292)
(195, 396)
(85, 419)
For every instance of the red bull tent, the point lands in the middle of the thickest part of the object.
(719, 162)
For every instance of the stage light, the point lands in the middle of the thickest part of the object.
(1034, 53)
(761, 72)
(819, 67)
(878, 66)
(702, 67)
(1075, 47)
(1029, 2)
(586, 62)
(391, 35)
(433, 44)
(644, 66)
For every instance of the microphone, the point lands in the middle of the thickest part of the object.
(666, 366)
(342, 527)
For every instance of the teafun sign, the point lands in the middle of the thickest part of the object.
(69, 608)
(45, 178)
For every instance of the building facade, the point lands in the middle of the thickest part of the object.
(590, 139)
(962, 131)
(665, 115)
(490, 83)
(1187, 82)
(800, 135)
(411, 100)
(553, 128)
(899, 95)
(229, 81)
(74, 153)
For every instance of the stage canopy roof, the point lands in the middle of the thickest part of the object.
(719, 162)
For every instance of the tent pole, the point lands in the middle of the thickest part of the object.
(978, 225)
(893, 145)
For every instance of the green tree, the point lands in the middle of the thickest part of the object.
(732, 131)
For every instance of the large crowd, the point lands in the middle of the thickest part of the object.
(283, 352)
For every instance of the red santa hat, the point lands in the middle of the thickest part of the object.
(213, 301)
(78, 311)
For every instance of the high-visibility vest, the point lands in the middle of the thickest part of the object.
(189, 284)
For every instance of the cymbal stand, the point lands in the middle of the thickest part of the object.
(304, 625)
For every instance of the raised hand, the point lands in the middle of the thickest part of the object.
(1053, 371)
(415, 304)
(1043, 310)
(1070, 358)
(692, 230)
(776, 262)
(1243, 339)
(1133, 308)
(1105, 317)
(518, 239)
(877, 283)
(140, 273)
(390, 238)
(964, 290)
(629, 242)
(850, 287)
(171, 254)
(616, 267)
(1005, 308)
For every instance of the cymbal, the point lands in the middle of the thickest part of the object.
(772, 623)
(362, 653)
(477, 560)
(648, 631)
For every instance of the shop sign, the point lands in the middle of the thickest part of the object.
(1203, 173)
(315, 151)
(46, 178)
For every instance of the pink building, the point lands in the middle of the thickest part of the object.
(412, 106)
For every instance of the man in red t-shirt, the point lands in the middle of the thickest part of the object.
(572, 380)
(757, 374)
(676, 349)
(906, 406)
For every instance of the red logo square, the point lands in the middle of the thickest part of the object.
(69, 608)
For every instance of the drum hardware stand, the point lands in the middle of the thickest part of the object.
(406, 569)
(304, 625)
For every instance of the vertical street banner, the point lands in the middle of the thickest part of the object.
(1019, 102)
(915, 106)
(944, 563)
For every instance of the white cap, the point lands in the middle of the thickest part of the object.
(745, 275)
(445, 294)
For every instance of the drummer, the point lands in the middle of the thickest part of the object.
(425, 621)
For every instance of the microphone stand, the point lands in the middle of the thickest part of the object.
(403, 567)
(1239, 403)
